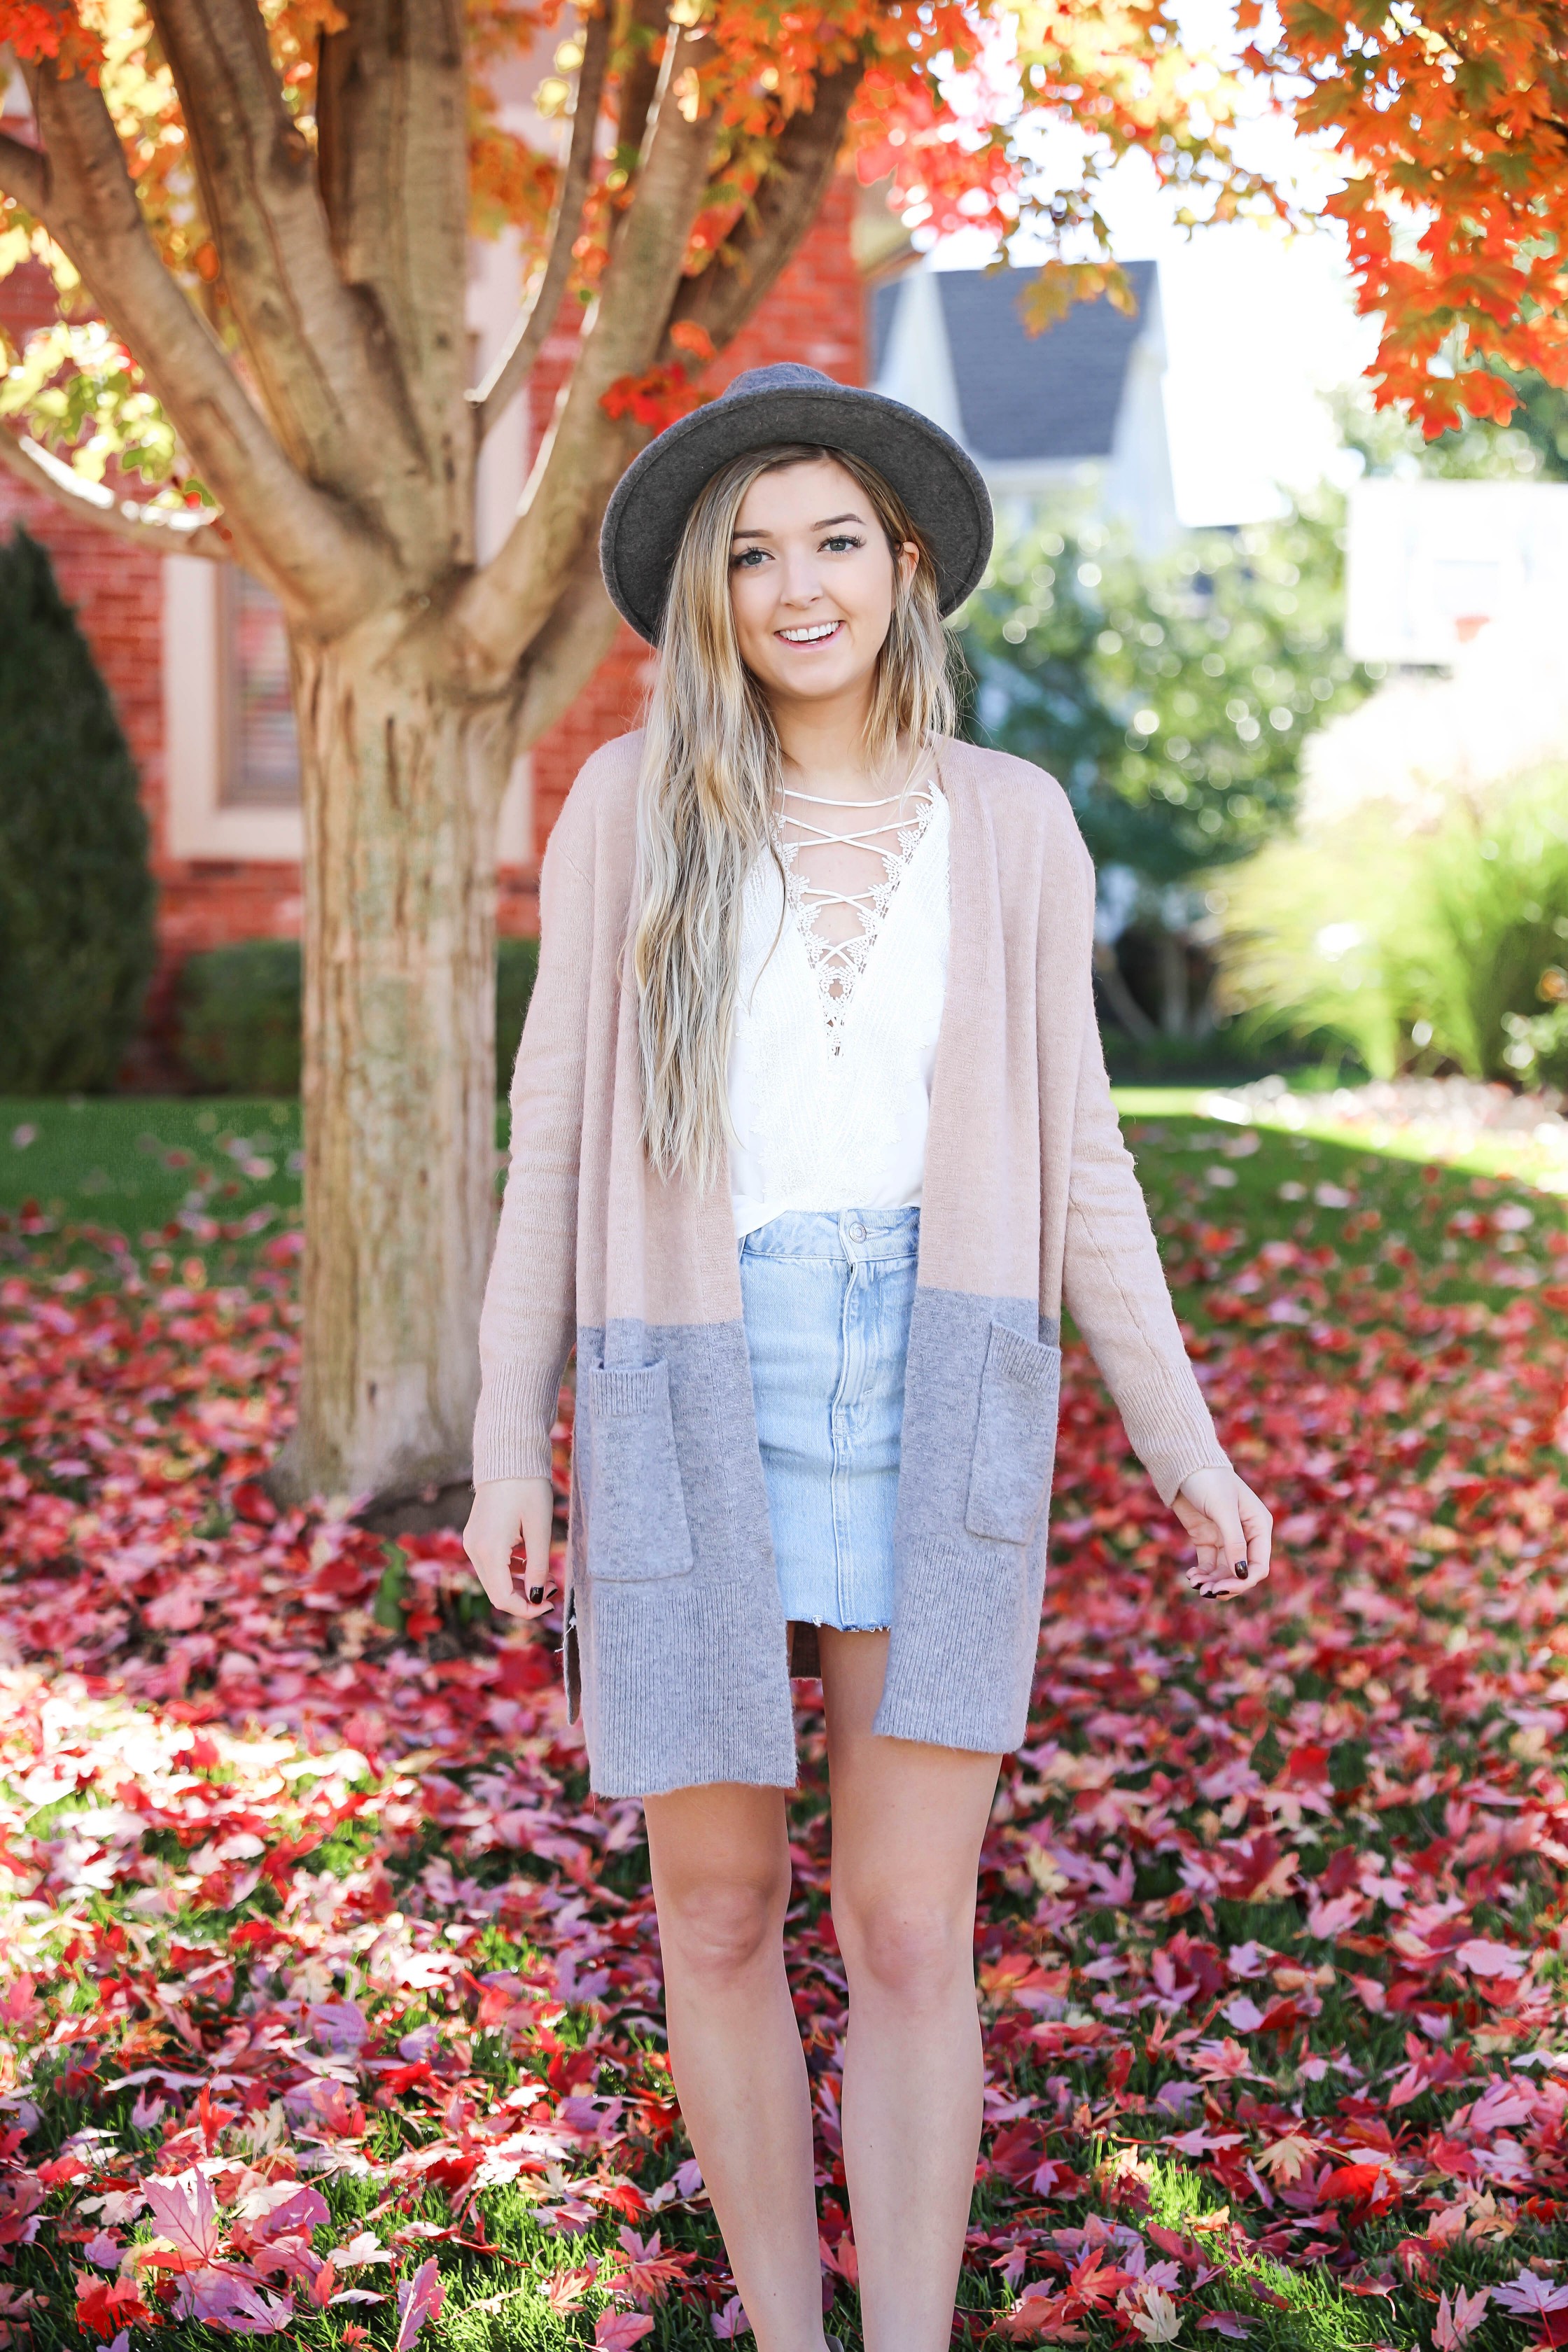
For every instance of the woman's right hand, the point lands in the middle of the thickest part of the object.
(508, 1536)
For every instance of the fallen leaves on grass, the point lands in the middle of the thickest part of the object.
(327, 1986)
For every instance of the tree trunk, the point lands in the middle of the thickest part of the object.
(1172, 983)
(402, 784)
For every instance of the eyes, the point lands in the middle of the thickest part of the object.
(837, 542)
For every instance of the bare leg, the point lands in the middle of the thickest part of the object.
(907, 1821)
(721, 1880)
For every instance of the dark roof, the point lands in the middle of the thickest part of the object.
(1051, 395)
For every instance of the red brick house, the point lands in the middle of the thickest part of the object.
(193, 653)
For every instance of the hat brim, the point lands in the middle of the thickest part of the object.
(941, 485)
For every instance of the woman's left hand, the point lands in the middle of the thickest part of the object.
(1231, 1529)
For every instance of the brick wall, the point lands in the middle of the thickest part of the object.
(118, 592)
(814, 313)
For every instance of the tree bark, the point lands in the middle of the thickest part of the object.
(1173, 982)
(401, 783)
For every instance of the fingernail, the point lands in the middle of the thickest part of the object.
(536, 1592)
(1241, 1568)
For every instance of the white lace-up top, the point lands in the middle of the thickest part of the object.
(834, 1041)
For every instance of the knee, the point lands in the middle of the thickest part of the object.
(719, 1930)
(906, 1950)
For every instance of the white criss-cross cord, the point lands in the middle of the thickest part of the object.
(836, 964)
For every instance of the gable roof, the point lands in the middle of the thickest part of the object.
(1053, 395)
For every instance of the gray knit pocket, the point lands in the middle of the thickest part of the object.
(1016, 1441)
(636, 1523)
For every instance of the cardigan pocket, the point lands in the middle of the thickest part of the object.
(636, 1523)
(1015, 1441)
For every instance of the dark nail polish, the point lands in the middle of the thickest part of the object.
(1241, 1568)
(536, 1592)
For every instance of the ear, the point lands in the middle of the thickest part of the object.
(905, 559)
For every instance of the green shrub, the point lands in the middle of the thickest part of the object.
(239, 1014)
(76, 944)
(1446, 943)
(517, 966)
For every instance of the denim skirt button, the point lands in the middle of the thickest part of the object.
(856, 1233)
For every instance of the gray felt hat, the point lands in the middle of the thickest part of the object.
(941, 488)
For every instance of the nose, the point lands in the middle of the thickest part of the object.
(802, 579)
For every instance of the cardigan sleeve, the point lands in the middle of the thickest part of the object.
(529, 1321)
(1114, 1285)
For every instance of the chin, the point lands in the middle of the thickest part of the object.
(811, 681)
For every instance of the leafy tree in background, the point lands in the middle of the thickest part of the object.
(76, 891)
(1446, 121)
(1532, 447)
(1171, 697)
(1542, 418)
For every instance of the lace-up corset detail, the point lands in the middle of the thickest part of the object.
(892, 831)
(834, 1043)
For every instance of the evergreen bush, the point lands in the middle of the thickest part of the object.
(239, 1014)
(76, 944)
(239, 1018)
(517, 968)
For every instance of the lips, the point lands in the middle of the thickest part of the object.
(817, 633)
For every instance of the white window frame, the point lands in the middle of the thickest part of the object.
(198, 824)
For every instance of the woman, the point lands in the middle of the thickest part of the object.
(811, 1140)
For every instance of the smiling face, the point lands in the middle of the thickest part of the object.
(812, 581)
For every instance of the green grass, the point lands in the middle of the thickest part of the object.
(134, 1162)
(1223, 1190)
(224, 1176)
(1541, 1162)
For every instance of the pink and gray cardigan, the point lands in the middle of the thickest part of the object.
(676, 1645)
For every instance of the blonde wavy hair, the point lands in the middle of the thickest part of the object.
(707, 793)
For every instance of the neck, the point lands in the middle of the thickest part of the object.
(823, 743)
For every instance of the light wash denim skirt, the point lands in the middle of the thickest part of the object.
(827, 1299)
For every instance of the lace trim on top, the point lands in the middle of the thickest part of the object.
(837, 964)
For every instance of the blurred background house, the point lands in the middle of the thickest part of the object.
(1433, 565)
(1076, 413)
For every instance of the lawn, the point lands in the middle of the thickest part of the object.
(332, 2003)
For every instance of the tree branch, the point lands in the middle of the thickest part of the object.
(504, 606)
(24, 174)
(527, 339)
(324, 567)
(646, 21)
(155, 530)
(326, 389)
(568, 649)
(392, 176)
(751, 258)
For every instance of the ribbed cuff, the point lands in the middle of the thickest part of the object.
(515, 1417)
(1171, 1433)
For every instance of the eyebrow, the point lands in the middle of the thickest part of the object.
(826, 525)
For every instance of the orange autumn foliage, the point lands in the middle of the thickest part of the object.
(1446, 115)
(1449, 119)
